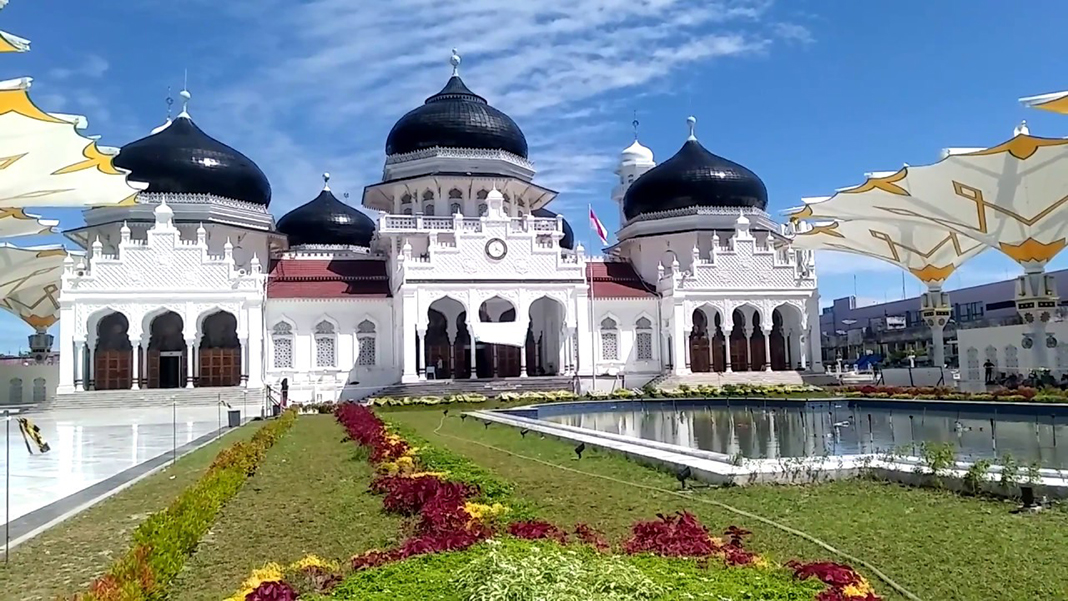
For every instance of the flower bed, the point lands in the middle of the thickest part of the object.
(164, 541)
(1021, 394)
(457, 509)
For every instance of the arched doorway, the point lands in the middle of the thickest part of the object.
(113, 354)
(167, 361)
(756, 344)
(220, 351)
(446, 339)
(497, 360)
(786, 338)
(719, 345)
(545, 338)
(700, 345)
(739, 342)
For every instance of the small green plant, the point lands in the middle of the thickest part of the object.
(976, 476)
(1010, 472)
(938, 457)
(1034, 473)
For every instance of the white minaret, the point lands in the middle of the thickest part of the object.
(633, 162)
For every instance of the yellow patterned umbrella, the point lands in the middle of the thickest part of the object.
(44, 161)
(29, 282)
(1013, 197)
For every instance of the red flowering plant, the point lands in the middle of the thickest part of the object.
(683, 535)
(843, 582)
(536, 530)
(272, 591)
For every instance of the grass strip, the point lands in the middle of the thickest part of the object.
(65, 558)
(162, 543)
(937, 544)
(310, 496)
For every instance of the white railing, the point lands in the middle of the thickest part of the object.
(421, 223)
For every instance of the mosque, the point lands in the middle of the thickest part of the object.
(463, 272)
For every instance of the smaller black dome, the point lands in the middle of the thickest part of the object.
(568, 241)
(328, 221)
(694, 177)
(182, 159)
(456, 117)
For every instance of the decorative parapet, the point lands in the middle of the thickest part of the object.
(459, 153)
(198, 199)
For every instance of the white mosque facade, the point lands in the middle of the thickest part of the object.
(465, 273)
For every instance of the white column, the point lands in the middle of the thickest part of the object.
(255, 348)
(189, 347)
(586, 337)
(408, 319)
(79, 365)
(523, 361)
(420, 362)
(136, 344)
(815, 336)
(681, 341)
(471, 335)
(803, 346)
(767, 349)
(748, 332)
(68, 357)
(727, 348)
(245, 360)
(90, 368)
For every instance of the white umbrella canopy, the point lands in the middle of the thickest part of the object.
(1054, 102)
(36, 303)
(24, 268)
(1013, 197)
(44, 161)
(16, 222)
(13, 43)
(931, 254)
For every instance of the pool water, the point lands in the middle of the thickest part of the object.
(817, 429)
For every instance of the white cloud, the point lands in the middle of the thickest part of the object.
(556, 66)
(92, 66)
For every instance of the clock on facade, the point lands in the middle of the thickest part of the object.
(496, 249)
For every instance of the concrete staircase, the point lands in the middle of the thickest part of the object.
(769, 378)
(488, 387)
(157, 397)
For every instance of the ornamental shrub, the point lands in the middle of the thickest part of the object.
(162, 543)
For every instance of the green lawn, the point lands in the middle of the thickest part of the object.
(65, 558)
(940, 546)
(308, 497)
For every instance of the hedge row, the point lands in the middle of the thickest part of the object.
(165, 540)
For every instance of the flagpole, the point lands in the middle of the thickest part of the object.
(7, 489)
(593, 317)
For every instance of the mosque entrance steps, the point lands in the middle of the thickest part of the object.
(236, 397)
(488, 387)
(767, 378)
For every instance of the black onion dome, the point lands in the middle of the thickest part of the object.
(182, 159)
(326, 220)
(456, 117)
(568, 241)
(694, 177)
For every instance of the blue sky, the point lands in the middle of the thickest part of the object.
(808, 94)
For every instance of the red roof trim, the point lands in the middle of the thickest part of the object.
(616, 280)
(296, 278)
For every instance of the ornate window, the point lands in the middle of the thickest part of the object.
(325, 345)
(609, 340)
(406, 199)
(282, 341)
(15, 391)
(482, 210)
(456, 209)
(643, 341)
(428, 195)
(429, 209)
(39, 390)
(407, 210)
(482, 194)
(365, 334)
(456, 194)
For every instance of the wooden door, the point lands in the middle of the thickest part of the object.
(112, 370)
(444, 353)
(220, 367)
(779, 360)
(699, 359)
(756, 351)
(507, 360)
(719, 353)
(461, 354)
(739, 352)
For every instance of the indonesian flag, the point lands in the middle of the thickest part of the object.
(598, 227)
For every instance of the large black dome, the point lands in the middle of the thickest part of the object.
(182, 159)
(328, 221)
(456, 117)
(568, 241)
(694, 177)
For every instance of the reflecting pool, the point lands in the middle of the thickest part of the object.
(816, 429)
